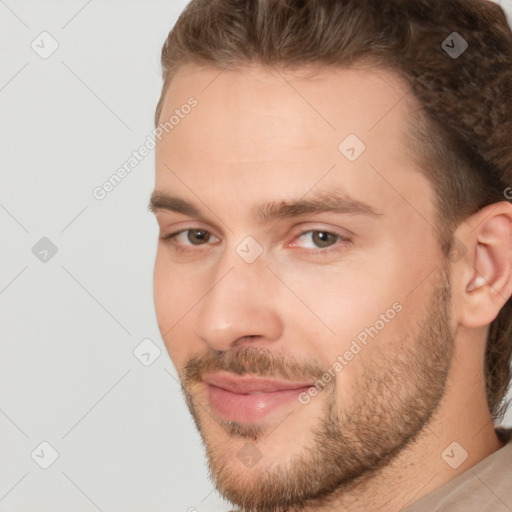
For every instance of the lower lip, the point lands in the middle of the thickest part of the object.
(250, 408)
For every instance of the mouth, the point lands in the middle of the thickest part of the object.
(249, 399)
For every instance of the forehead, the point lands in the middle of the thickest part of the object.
(305, 104)
(259, 129)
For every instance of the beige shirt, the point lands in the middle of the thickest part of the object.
(485, 487)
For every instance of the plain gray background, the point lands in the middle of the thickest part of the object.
(71, 320)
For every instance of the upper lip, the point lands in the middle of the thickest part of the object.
(246, 384)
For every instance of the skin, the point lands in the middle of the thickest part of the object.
(260, 136)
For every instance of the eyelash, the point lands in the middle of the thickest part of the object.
(337, 246)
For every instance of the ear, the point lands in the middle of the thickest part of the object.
(483, 277)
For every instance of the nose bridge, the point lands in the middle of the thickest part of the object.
(238, 303)
(240, 270)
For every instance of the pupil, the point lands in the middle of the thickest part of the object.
(197, 236)
(322, 239)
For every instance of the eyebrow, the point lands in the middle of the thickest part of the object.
(326, 202)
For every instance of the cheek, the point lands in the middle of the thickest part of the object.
(343, 300)
(176, 293)
(352, 308)
(170, 290)
(170, 299)
(161, 286)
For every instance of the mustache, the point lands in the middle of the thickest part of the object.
(252, 360)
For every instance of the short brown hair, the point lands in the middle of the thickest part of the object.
(463, 133)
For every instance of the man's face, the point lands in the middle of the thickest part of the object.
(257, 299)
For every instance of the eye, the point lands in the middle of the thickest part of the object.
(190, 237)
(318, 239)
(321, 242)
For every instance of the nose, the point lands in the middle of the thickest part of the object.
(240, 306)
